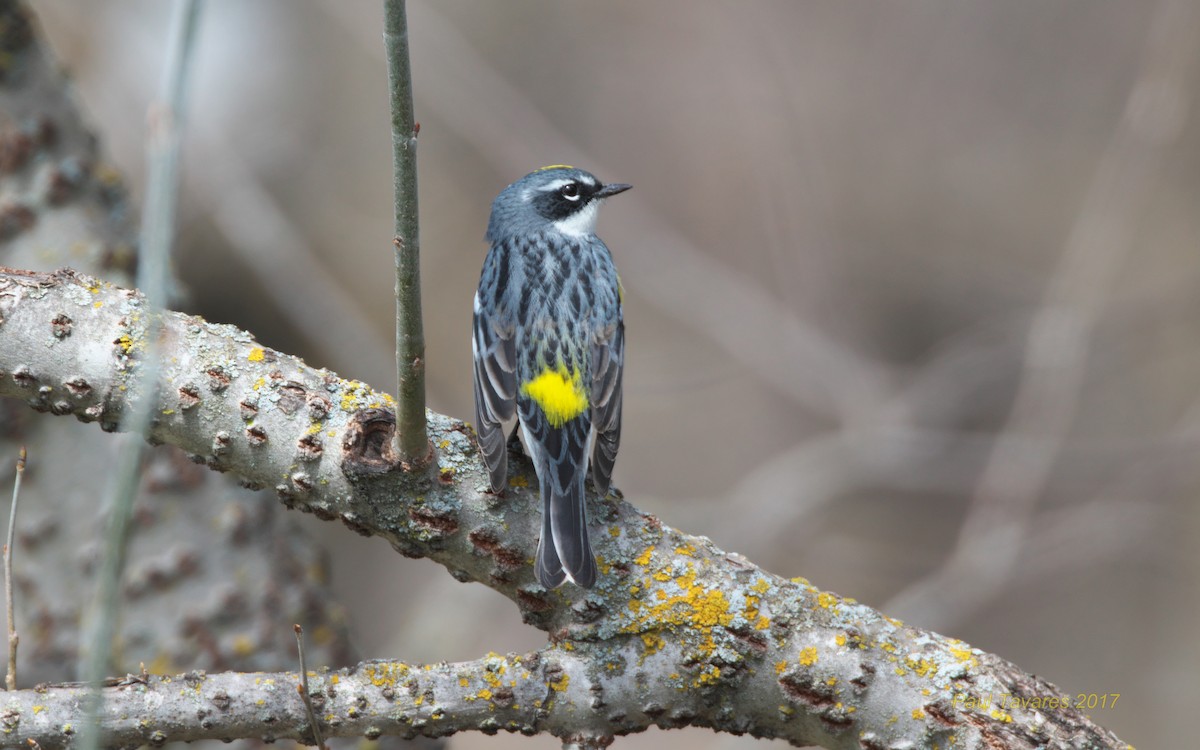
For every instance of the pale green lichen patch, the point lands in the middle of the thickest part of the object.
(749, 605)
(455, 448)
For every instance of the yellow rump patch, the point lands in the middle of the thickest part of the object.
(554, 166)
(559, 393)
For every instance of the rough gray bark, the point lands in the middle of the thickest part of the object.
(677, 633)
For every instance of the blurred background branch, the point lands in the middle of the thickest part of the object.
(165, 119)
(195, 538)
(1003, 509)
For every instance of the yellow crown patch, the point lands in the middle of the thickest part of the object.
(554, 166)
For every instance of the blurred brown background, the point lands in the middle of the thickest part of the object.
(913, 289)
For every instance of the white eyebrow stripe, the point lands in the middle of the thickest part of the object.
(556, 185)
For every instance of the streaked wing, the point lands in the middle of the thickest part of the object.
(493, 349)
(608, 364)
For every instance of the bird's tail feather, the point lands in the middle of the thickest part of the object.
(564, 550)
(560, 456)
(549, 569)
(568, 524)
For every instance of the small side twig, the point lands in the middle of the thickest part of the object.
(10, 679)
(302, 688)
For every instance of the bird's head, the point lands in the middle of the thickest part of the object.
(559, 197)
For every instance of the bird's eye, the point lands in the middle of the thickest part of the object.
(570, 191)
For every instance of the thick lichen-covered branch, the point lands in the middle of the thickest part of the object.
(369, 700)
(677, 632)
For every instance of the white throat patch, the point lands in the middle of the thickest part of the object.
(581, 223)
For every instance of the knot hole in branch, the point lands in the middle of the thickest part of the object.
(368, 446)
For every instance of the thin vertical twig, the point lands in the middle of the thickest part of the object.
(10, 679)
(304, 692)
(164, 123)
(412, 442)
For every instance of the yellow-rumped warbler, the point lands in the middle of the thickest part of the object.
(549, 344)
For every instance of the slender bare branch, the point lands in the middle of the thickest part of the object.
(412, 440)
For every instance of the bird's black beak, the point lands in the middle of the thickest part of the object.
(611, 189)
